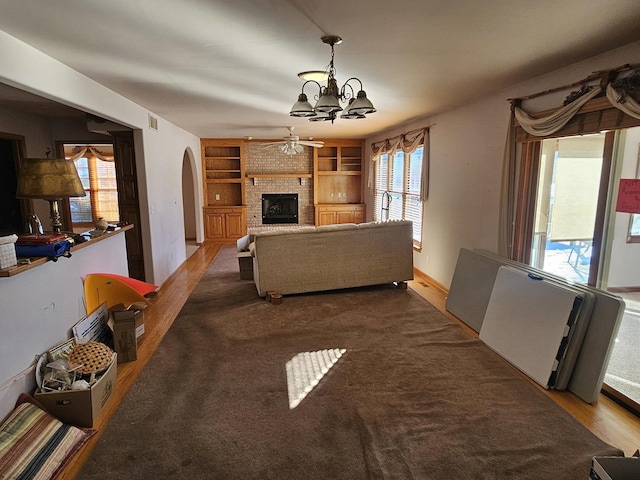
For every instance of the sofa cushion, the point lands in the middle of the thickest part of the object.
(336, 227)
(285, 231)
(384, 224)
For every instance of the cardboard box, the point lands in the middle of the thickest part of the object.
(124, 338)
(81, 408)
(139, 318)
(119, 312)
(615, 468)
(245, 261)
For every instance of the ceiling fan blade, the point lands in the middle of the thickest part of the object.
(310, 143)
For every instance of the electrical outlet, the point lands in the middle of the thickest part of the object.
(217, 196)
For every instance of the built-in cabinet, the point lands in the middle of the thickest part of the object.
(225, 213)
(339, 182)
(225, 223)
(330, 214)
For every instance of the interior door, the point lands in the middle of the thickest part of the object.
(128, 199)
(14, 212)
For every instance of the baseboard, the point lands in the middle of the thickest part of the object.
(623, 289)
(431, 281)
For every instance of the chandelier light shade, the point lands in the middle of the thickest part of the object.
(321, 117)
(317, 75)
(49, 179)
(302, 108)
(349, 113)
(330, 97)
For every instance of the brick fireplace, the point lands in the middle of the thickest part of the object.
(272, 162)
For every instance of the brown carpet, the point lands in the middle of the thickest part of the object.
(414, 397)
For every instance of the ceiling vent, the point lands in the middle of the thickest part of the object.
(153, 123)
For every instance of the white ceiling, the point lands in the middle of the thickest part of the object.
(228, 68)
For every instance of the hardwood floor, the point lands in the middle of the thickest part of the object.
(606, 419)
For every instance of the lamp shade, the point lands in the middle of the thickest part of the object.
(322, 117)
(362, 105)
(48, 179)
(302, 108)
(348, 114)
(328, 103)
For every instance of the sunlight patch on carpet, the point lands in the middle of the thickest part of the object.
(306, 369)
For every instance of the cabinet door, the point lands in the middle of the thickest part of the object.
(214, 225)
(326, 218)
(358, 214)
(234, 225)
(345, 216)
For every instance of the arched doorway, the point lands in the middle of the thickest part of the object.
(189, 203)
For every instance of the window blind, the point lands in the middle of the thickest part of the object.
(397, 186)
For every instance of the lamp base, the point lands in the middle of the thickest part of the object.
(54, 215)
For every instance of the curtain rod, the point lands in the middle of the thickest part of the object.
(607, 75)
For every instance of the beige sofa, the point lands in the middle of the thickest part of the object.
(312, 259)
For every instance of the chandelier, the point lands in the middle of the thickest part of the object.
(329, 96)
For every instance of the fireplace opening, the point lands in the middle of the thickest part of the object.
(279, 208)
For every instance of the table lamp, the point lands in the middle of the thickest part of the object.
(49, 179)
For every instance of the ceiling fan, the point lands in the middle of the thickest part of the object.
(291, 144)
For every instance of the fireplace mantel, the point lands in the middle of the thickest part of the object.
(255, 176)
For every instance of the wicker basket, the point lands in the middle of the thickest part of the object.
(90, 358)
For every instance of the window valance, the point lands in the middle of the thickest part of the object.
(581, 113)
(408, 143)
(554, 122)
(619, 93)
(81, 151)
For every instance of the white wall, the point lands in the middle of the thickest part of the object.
(467, 145)
(41, 305)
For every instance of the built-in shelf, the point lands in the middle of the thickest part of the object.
(342, 172)
(255, 176)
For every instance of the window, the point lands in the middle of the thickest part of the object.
(397, 189)
(98, 178)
